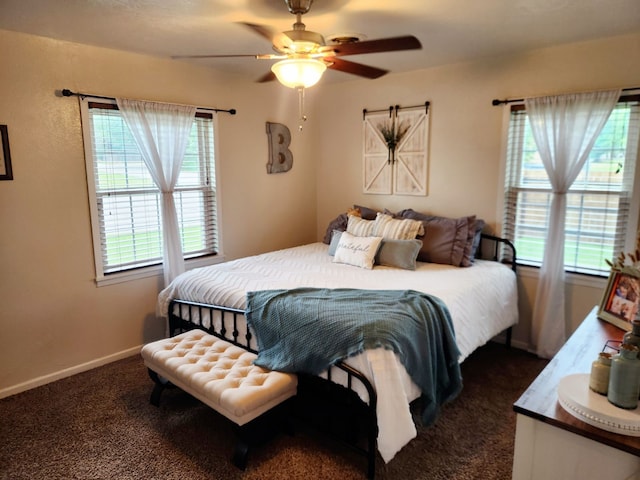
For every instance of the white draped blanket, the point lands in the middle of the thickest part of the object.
(482, 300)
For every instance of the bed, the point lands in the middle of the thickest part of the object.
(481, 299)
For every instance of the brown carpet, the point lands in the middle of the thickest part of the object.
(100, 425)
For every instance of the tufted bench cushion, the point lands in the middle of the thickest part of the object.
(219, 374)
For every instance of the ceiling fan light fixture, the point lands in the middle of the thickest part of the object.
(298, 6)
(299, 72)
(303, 41)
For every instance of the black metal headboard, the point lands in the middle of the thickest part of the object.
(497, 249)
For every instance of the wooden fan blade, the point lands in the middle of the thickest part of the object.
(407, 42)
(259, 56)
(213, 56)
(267, 77)
(279, 40)
(355, 68)
(261, 30)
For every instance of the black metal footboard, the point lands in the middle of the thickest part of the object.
(501, 250)
(341, 383)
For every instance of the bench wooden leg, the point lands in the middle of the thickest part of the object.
(160, 385)
(262, 430)
(240, 454)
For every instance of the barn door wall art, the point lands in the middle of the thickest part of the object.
(395, 150)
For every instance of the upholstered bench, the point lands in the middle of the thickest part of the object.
(222, 376)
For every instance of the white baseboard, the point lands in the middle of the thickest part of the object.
(67, 372)
(521, 345)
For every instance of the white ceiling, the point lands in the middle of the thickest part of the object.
(450, 30)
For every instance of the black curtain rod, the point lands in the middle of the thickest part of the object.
(68, 93)
(496, 102)
(392, 108)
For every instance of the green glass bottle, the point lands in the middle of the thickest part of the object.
(624, 379)
(633, 337)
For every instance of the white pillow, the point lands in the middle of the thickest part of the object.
(357, 251)
(360, 227)
(390, 228)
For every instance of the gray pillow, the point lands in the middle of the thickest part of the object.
(338, 223)
(445, 239)
(335, 239)
(476, 238)
(366, 212)
(467, 257)
(399, 253)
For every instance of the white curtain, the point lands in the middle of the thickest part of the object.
(161, 132)
(565, 129)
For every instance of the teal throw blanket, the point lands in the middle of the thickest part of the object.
(308, 330)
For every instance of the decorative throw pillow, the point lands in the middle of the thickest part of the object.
(357, 251)
(399, 253)
(366, 212)
(360, 227)
(445, 239)
(476, 238)
(467, 259)
(354, 211)
(338, 223)
(391, 228)
(335, 239)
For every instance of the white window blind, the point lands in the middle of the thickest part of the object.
(126, 213)
(598, 202)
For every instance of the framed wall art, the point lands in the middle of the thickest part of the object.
(5, 155)
(395, 150)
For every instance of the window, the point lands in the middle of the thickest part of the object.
(125, 203)
(599, 202)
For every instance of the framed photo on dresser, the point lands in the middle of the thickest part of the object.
(621, 299)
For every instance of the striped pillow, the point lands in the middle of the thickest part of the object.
(390, 228)
(359, 227)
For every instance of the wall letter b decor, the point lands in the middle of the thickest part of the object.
(280, 157)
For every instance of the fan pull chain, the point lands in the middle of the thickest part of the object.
(302, 116)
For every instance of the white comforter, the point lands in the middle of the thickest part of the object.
(482, 300)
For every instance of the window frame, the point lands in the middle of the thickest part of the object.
(629, 241)
(154, 269)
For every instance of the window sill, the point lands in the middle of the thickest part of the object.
(571, 278)
(154, 271)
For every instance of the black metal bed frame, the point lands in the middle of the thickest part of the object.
(185, 315)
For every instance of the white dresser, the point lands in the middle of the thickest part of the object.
(552, 444)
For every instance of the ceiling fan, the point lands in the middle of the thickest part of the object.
(303, 55)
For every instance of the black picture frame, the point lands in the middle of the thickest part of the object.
(6, 173)
(621, 299)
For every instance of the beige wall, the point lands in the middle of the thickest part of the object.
(55, 321)
(466, 136)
